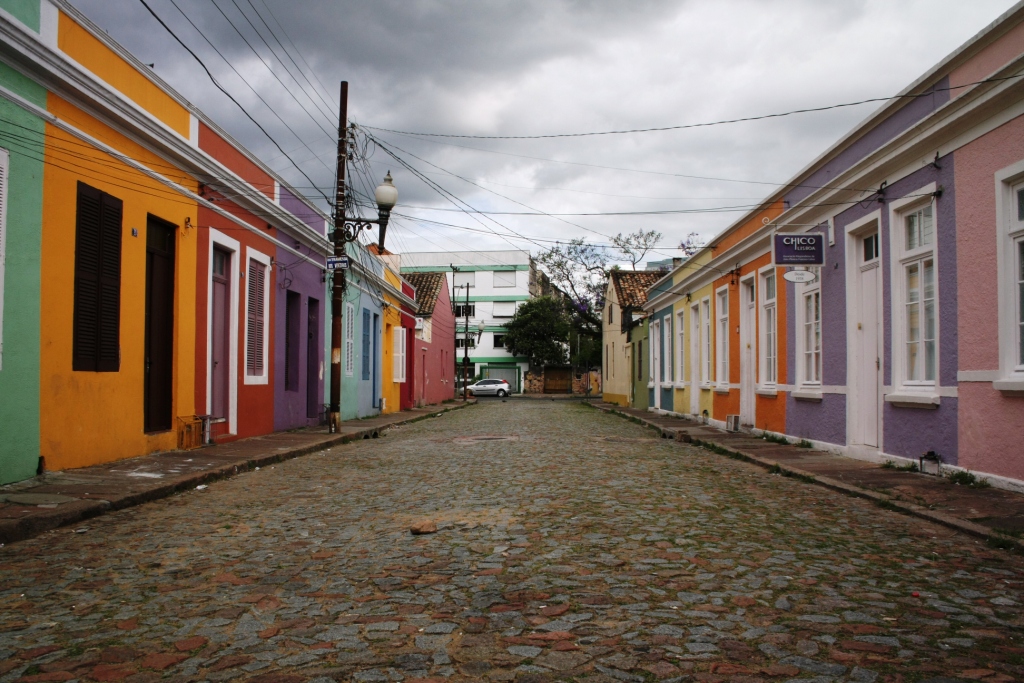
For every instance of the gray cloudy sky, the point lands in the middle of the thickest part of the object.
(525, 67)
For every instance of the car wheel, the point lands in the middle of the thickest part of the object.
(502, 393)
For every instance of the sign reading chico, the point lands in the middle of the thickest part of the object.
(806, 249)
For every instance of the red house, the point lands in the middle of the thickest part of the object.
(433, 351)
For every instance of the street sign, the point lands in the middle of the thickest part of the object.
(806, 249)
(799, 276)
(337, 263)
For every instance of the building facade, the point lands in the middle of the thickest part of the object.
(908, 339)
(130, 219)
(486, 287)
(433, 350)
(624, 299)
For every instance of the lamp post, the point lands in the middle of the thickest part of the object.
(347, 229)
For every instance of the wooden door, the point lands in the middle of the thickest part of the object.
(313, 399)
(557, 381)
(220, 337)
(159, 344)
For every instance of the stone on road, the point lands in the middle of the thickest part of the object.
(570, 545)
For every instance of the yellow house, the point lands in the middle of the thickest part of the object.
(113, 383)
(398, 336)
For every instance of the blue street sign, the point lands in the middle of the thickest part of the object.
(337, 262)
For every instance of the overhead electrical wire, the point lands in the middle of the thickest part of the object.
(762, 117)
(230, 96)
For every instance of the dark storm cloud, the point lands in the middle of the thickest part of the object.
(554, 66)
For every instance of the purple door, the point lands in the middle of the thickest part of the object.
(220, 362)
(313, 398)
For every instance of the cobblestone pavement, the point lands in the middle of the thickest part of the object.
(572, 546)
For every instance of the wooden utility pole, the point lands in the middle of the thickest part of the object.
(338, 276)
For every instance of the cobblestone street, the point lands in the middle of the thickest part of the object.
(571, 546)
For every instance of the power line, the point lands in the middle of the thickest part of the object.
(708, 124)
(228, 95)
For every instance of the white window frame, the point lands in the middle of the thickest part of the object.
(510, 304)
(803, 326)
(902, 385)
(653, 329)
(398, 336)
(5, 174)
(350, 340)
(494, 279)
(705, 342)
(722, 337)
(1010, 234)
(667, 348)
(258, 256)
(681, 349)
(768, 329)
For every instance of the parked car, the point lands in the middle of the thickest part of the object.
(490, 387)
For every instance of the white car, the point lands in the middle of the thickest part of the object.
(490, 387)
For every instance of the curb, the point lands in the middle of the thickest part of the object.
(994, 538)
(80, 510)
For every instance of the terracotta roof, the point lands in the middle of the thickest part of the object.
(428, 288)
(631, 286)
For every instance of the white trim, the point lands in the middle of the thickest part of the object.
(899, 259)
(977, 375)
(5, 181)
(1008, 233)
(706, 344)
(722, 345)
(762, 326)
(694, 357)
(193, 129)
(49, 22)
(800, 294)
(258, 256)
(853, 232)
(654, 334)
(398, 343)
(232, 245)
(680, 347)
(349, 339)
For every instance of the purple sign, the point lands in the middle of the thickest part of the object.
(805, 249)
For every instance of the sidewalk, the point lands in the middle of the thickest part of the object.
(993, 514)
(56, 499)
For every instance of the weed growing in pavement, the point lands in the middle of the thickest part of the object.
(967, 478)
(1000, 543)
(804, 443)
(887, 504)
(775, 438)
(891, 465)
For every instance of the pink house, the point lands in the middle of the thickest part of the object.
(433, 348)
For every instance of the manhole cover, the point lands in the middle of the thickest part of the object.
(483, 438)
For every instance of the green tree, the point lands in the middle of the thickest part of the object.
(540, 331)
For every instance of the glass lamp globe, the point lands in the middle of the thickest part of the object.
(386, 194)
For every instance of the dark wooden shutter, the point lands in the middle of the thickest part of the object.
(254, 322)
(97, 296)
(109, 355)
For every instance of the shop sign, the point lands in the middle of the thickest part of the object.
(805, 249)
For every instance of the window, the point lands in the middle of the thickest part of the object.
(365, 369)
(96, 337)
(722, 332)
(504, 278)
(465, 342)
(465, 279)
(504, 309)
(4, 168)
(613, 359)
(350, 340)
(705, 342)
(1011, 279)
(871, 247)
(499, 341)
(668, 368)
(680, 348)
(769, 330)
(464, 310)
(398, 354)
(811, 336)
(640, 358)
(256, 324)
(606, 363)
(915, 333)
(653, 332)
(292, 315)
(611, 314)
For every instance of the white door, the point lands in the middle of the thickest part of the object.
(656, 362)
(866, 370)
(748, 365)
(695, 360)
